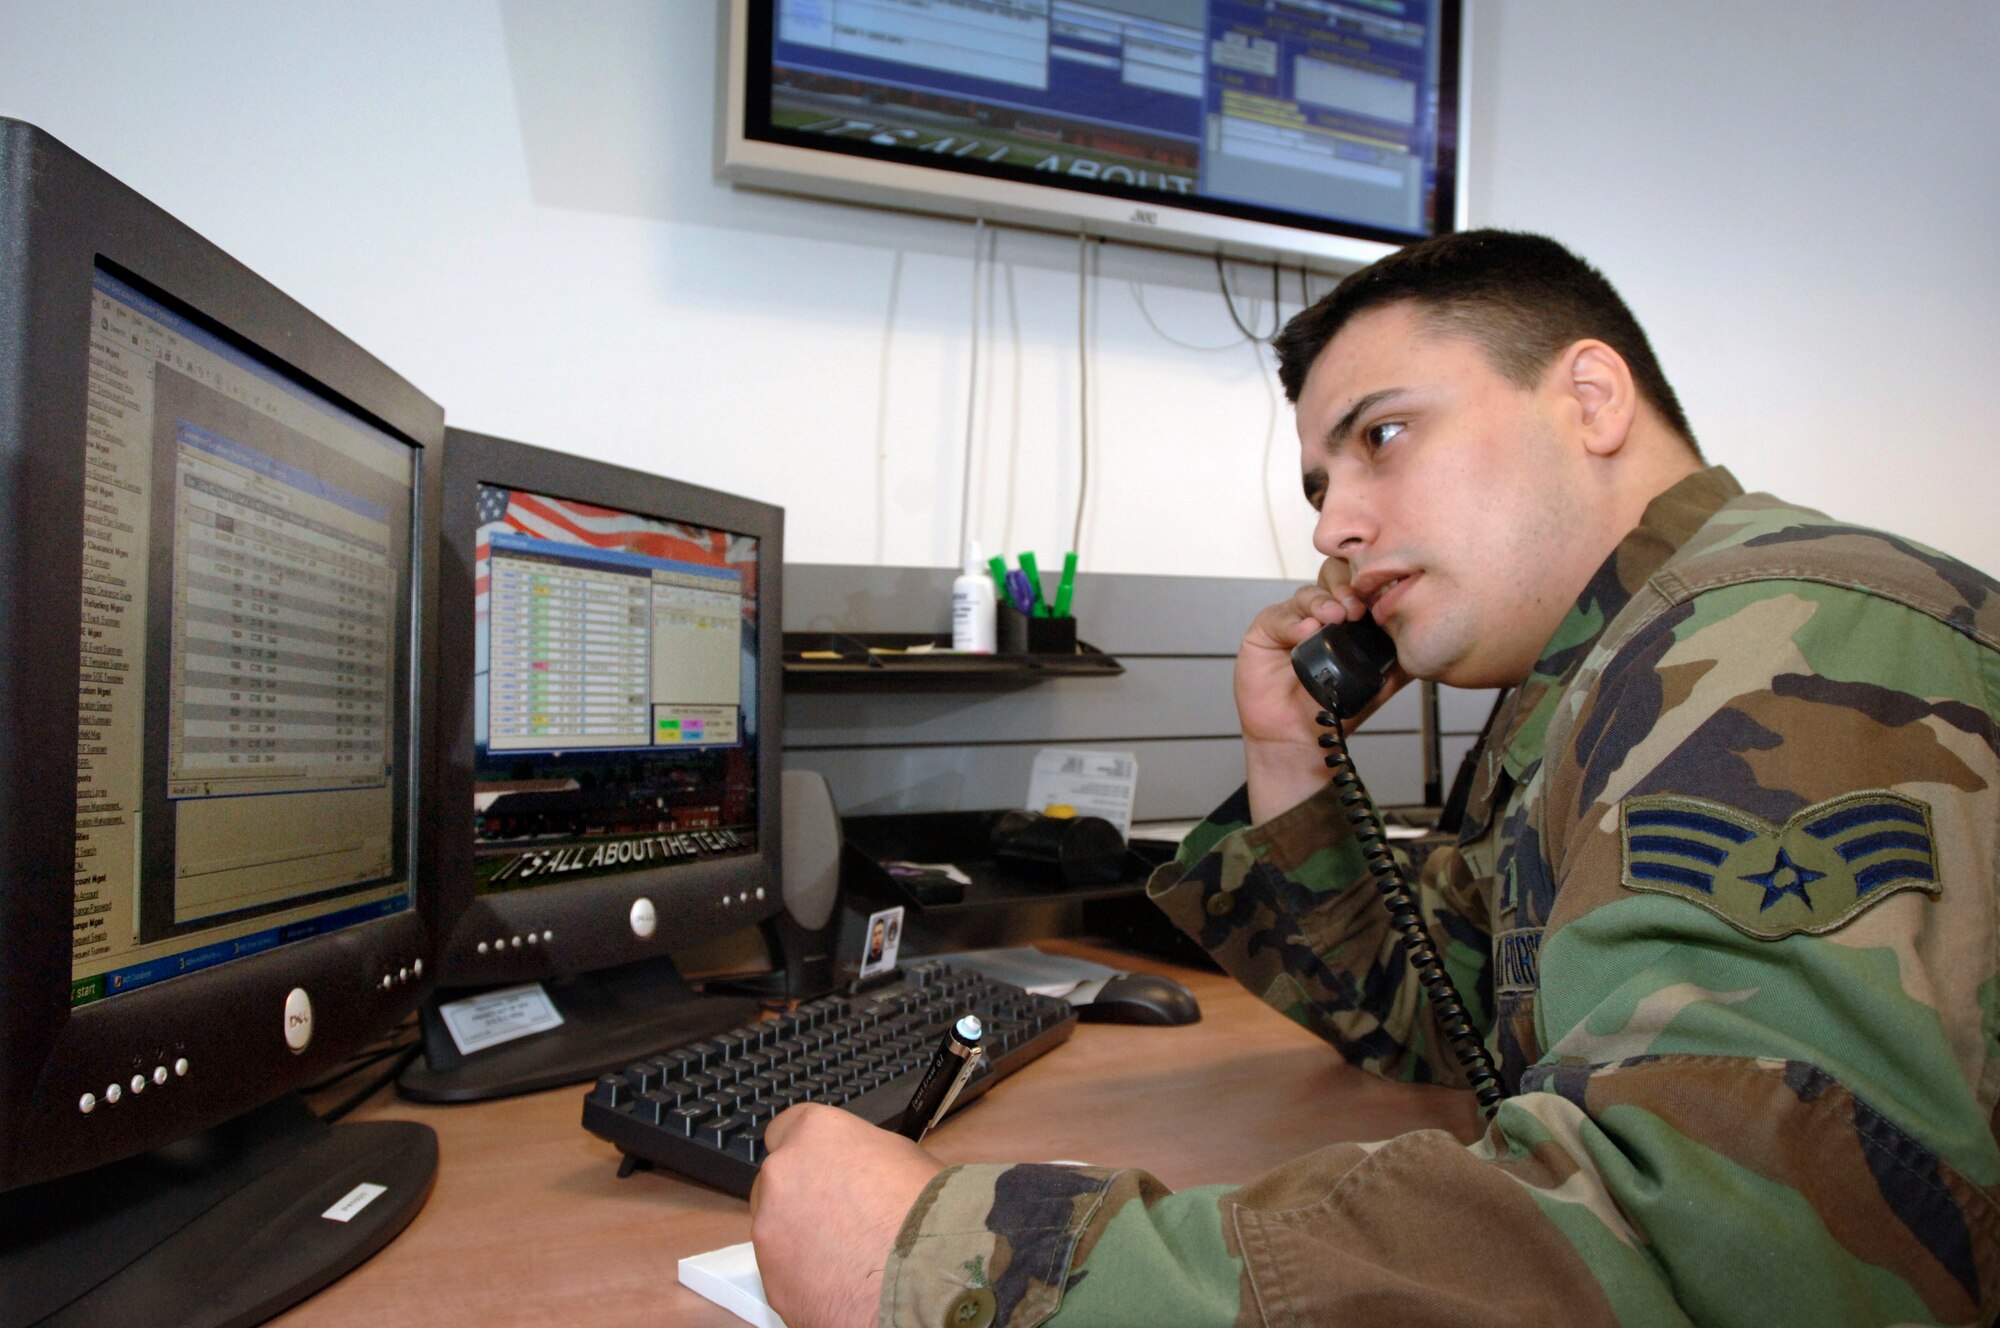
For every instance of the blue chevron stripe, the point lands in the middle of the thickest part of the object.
(1674, 818)
(1868, 813)
(1863, 845)
(1679, 847)
(1896, 869)
(1660, 871)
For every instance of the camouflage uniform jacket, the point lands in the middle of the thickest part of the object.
(1726, 910)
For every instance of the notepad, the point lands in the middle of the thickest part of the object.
(729, 1277)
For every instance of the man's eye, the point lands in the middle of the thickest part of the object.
(1381, 435)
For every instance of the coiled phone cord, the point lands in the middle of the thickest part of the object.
(1403, 912)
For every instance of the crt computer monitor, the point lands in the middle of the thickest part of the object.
(216, 594)
(610, 659)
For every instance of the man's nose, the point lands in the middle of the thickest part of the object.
(1345, 526)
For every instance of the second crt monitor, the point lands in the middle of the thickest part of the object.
(610, 665)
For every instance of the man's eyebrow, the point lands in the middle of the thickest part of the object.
(1337, 436)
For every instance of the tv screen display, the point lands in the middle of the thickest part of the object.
(1290, 127)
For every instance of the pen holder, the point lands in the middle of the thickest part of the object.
(1023, 635)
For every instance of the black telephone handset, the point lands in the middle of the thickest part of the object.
(1344, 666)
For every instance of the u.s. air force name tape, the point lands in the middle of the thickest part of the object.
(1816, 872)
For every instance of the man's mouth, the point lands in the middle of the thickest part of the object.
(1385, 597)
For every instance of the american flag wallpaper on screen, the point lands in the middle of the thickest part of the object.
(615, 712)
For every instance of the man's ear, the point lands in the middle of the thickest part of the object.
(1599, 394)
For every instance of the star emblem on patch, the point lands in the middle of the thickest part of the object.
(1816, 872)
(1785, 878)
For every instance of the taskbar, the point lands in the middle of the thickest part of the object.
(118, 981)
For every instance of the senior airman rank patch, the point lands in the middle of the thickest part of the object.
(1812, 874)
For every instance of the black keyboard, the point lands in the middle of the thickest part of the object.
(701, 1109)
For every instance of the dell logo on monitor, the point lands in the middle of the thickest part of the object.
(298, 1020)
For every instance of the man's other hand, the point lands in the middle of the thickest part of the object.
(1280, 740)
(824, 1213)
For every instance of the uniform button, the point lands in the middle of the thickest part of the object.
(181, 1066)
(1222, 903)
(159, 1074)
(87, 1103)
(973, 1308)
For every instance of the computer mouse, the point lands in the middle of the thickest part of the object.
(1137, 998)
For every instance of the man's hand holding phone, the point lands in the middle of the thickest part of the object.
(1280, 740)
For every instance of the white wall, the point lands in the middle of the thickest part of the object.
(1801, 202)
(512, 202)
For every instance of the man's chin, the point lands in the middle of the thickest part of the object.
(1428, 658)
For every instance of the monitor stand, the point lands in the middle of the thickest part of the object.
(611, 1018)
(226, 1228)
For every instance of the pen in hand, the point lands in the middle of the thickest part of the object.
(956, 1057)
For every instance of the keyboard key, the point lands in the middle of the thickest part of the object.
(650, 1107)
(716, 1130)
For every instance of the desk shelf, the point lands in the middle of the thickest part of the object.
(1119, 912)
(839, 661)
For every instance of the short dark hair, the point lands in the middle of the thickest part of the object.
(1522, 298)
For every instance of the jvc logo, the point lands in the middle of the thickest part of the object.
(1145, 216)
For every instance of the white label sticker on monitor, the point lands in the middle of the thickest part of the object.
(494, 1017)
(355, 1200)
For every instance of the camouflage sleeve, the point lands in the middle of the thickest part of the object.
(1287, 908)
(1767, 1101)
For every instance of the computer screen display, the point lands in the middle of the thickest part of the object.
(609, 670)
(615, 691)
(1275, 124)
(216, 766)
(241, 698)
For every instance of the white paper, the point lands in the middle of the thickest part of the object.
(883, 937)
(729, 1277)
(494, 1017)
(950, 871)
(1029, 968)
(1094, 783)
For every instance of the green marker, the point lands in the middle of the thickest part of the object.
(999, 566)
(1035, 584)
(1068, 584)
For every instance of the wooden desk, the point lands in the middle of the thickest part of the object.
(530, 1225)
